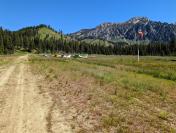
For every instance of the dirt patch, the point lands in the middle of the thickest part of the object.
(72, 105)
(22, 108)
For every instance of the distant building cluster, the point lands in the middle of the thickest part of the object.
(66, 56)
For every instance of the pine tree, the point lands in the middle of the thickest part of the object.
(1, 45)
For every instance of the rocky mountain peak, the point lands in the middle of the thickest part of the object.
(136, 20)
(117, 32)
(106, 24)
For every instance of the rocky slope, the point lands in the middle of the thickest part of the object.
(127, 31)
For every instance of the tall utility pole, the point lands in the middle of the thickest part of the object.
(141, 36)
(138, 53)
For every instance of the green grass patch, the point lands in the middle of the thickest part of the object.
(130, 94)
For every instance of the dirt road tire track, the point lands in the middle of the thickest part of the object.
(5, 76)
(22, 109)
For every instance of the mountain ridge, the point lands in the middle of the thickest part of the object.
(124, 31)
(110, 33)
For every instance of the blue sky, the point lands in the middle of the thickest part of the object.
(73, 15)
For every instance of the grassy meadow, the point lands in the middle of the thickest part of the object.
(112, 93)
(5, 60)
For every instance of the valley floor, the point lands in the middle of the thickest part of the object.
(104, 94)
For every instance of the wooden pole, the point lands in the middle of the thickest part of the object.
(138, 54)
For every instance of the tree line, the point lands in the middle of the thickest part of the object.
(28, 40)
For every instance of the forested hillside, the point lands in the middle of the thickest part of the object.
(44, 39)
(6, 42)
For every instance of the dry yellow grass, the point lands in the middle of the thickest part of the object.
(112, 94)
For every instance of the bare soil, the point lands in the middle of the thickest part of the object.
(23, 109)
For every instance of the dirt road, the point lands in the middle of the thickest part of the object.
(22, 108)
